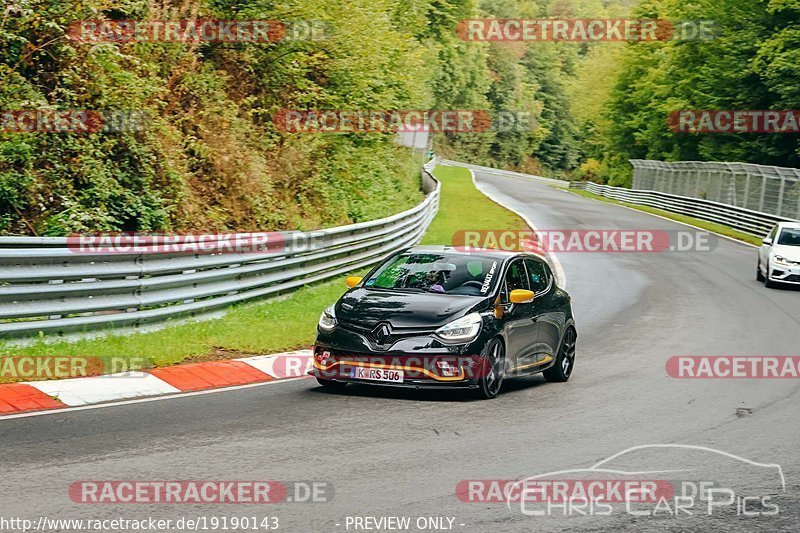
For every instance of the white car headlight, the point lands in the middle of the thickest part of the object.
(327, 320)
(780, 260)
(464, 329)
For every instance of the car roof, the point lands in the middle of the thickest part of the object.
(495, 254)
(790, 225)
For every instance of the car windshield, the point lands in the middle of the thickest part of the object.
(790, 237)
(460, 274)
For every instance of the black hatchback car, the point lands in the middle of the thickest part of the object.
(432, 317)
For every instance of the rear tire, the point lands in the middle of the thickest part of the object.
(565, 361)
(493, 371)
(331, 385)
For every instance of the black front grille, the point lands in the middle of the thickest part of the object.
(794, 278)
(363, 329)
(395, 334)
(392, 338)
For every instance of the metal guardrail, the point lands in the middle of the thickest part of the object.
(49, 287)
(761, 188)
(507, 173)
(745, 220)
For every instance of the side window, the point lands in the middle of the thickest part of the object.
(515, 279)
(773, 234)
(538, 275)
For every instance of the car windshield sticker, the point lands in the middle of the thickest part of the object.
(488, 281)
(475, 268)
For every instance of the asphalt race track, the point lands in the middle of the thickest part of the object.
(397, 453)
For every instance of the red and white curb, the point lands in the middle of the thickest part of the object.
(17, 398)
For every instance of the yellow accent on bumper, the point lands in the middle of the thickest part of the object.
(425, 371)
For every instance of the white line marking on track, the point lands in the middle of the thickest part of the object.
(561, 276)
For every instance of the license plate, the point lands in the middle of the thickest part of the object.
(377, 374)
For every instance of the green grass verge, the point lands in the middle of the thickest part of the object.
(710, 226)
(463, 207)
(279, 324)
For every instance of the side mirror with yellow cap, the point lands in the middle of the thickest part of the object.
(521, 296)
(352, 281)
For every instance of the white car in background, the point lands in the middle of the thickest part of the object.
(779, 255)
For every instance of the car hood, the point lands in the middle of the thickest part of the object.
(792, 253)
(368, 307)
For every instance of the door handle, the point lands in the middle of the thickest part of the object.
(535, 319)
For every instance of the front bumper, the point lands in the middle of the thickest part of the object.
(429, 371)
(425, 361)
(785, 274)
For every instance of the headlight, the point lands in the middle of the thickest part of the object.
(464, 329)
(780, 260)
(327, 321)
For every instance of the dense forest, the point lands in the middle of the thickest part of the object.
(211, 158)
(603, 103)
(749, 64)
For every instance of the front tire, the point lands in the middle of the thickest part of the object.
(493, 371)
(767, 282)
(565, 361)
(759, 275)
